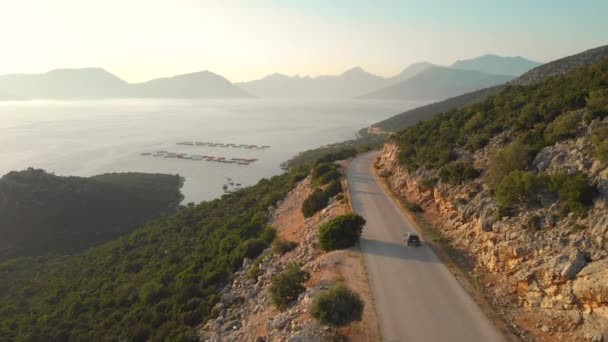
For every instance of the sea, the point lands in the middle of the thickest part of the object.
(85, 138)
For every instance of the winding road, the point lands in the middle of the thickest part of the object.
(416, 296)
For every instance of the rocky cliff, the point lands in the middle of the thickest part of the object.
(550, 278)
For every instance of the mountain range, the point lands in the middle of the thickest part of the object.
(419, 81)
(535, 75)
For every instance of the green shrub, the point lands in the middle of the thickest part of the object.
(427, 183)
(562, 127)
(515, 156)
(252, 248)
(533, 222)
(287, 285)
(414, 207)
(280, 246)
(255, 271)
(599, 139)
(337, 306)
(457, 173)
(385, 174)
(597, 102)
(574, 191)
(333, 188)
(340, 197)
(315, 202)
(328, 177)
(341, 232)
(320, 169)
(268, 234)
(517, 188)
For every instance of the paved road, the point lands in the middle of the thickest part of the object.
(416, 296)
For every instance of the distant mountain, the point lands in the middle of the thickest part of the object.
(411, 71)
(563, 65)
(96, 83)
(538, 74)
(204, 84)
(437, 82)
(351, 83)
(499, 65)
(64, 84)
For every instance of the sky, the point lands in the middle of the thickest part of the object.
(138, 40)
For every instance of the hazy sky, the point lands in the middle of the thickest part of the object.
(142, 39)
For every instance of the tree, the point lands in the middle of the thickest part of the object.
(518, 187)
(341, 232)
(315, 202)
(287, 285)
(337, 306)
(333, 188)
(562, 127)
(515, 156)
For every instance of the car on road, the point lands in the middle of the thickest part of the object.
(411, 239)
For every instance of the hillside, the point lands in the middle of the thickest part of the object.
(437, 83)
(493, 64)
(351, 83)
(519, 183)
(566, 64)
(202, 84)
(96, 83)
(156, 283)
(47, 214)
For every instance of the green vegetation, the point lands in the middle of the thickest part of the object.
(315, 202)
(333, 188)
(515, 156)
(280, 246)
(413, 207)
(597, 102)
(457, 173)
(322, 173)
(74, 213)
(287, 285)
(563, 127)
(156, 283)
(341, 232)
(339, 151)
(599, 139)
(337, 306)
(427, 183)
(432, 144)
(521, 188)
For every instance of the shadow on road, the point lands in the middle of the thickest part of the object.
(399, 251)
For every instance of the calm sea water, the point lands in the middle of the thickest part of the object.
(92, 137)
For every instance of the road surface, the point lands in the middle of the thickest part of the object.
(416, 296)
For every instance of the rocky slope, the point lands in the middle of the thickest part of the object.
(552, 281)
(245, 311)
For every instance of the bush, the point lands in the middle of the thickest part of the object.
(315, 202)
(321, 169)
(280, 246)
(599, 139)
(341, 232)
(414, 207)
(518, 187)
(252, 248)
(268, 234)
(457, 173)
(427, 183)
(385, 174)
(340, 197)
(333, 188)
(597, 102)
(337, 306)
(515, 156)
(562, 127)
(255, 271)
(328, 177)
(574, 191)
(287, 285)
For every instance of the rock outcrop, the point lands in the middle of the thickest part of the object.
(550, 278)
